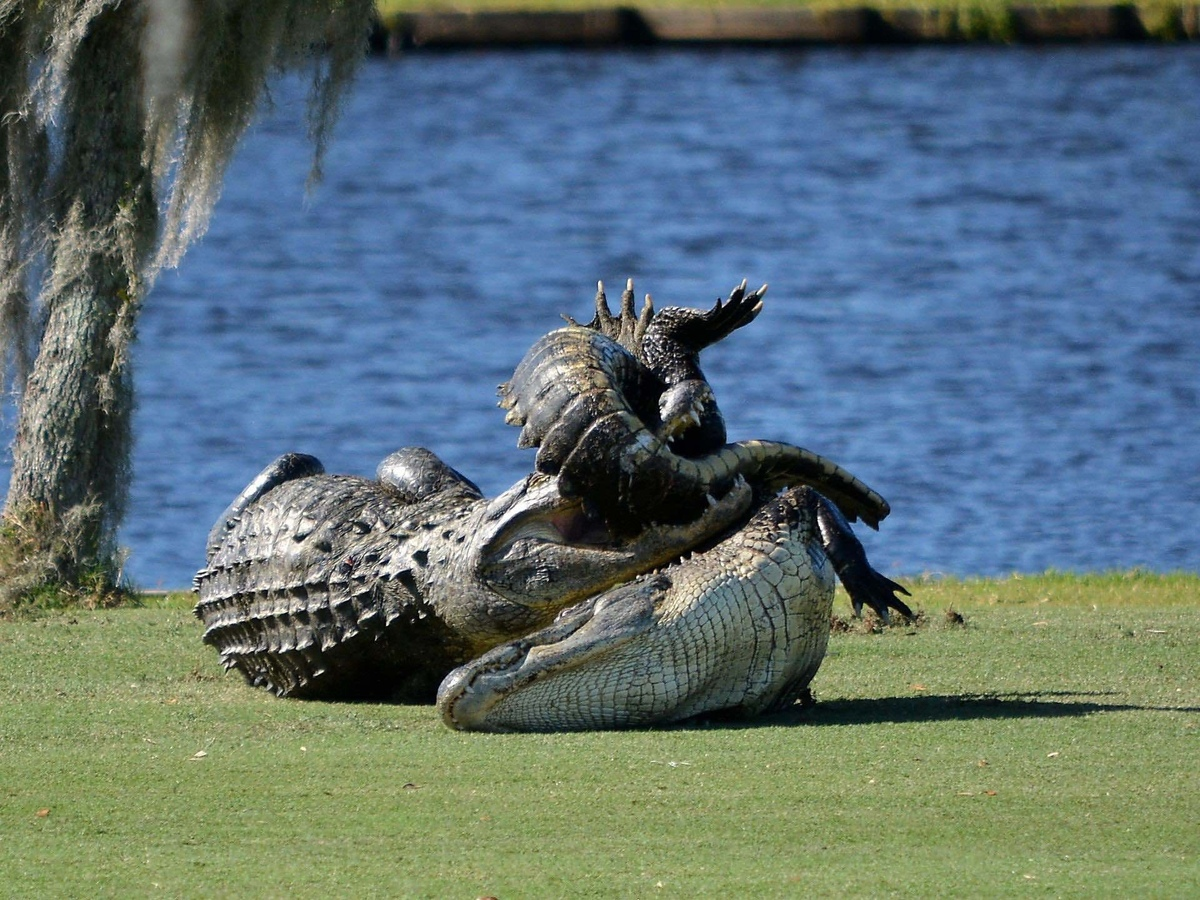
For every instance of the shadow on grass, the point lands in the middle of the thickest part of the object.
(935, 708)
(940, 708)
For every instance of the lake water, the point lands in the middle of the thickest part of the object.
(984, 269)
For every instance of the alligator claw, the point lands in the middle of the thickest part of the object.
(697, 330)
(878, 592)
(740, 309)
(864, 585)
(627, 329)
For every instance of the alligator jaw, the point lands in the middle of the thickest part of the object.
(469, 694)
(741, 627)
(546, 552)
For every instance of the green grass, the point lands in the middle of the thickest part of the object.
(389, 8)
(1048, 747)
(971, 19)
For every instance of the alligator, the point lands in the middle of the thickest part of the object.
(621, 413)
(336, 587)
(739, 629)
(341, 587)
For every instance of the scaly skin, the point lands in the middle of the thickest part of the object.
(620, 413)
(337, 587)
(741, 628)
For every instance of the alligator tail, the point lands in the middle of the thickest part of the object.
(632, 477)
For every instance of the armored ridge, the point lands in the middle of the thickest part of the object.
(318, 585)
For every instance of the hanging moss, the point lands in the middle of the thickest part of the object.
(119, 120)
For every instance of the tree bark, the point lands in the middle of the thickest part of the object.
(71, 454)
(79, 157)
(15, 152)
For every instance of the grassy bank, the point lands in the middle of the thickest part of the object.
(1151, 10)
(393, 7)
(1046, 745)
(452, 23)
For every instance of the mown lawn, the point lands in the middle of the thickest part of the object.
(1047, 746)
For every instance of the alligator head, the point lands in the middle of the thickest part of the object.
(739, 628)
(532, 551)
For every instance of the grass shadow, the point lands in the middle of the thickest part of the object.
(933, 708)
(941, 708)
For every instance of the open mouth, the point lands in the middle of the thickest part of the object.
(568, 523)
(579, 526)
(551, 551)
(575, 523)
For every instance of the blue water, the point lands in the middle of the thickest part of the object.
(984, 269)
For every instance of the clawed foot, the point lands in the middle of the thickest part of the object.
(691, 330)
(690, 327)
(865, 586)
(740, 309)
(627, 329)
(877, 591)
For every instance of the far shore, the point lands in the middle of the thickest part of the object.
(407, 25)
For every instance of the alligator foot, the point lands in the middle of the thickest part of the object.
(691, 422)
(288, 467)
(675, 337)
(864, 585)
(628, 328)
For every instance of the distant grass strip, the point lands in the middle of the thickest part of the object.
(1110, 590)
(389, 8)
(988, 20)
(1040, 741)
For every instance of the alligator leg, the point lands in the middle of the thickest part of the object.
(862, 582)
(288, 467)
(417, 474)
(674, 338)
(742, 628)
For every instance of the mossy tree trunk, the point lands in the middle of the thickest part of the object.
(73, 434)
(111, 111)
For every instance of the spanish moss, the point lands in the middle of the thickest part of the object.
(119, 120)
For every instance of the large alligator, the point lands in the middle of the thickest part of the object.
(621, 412)
(738, 629)
(338, 587)
(343, 588)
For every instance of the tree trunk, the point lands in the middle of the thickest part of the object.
(73, 437)
(79, 155)
(14, 196)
